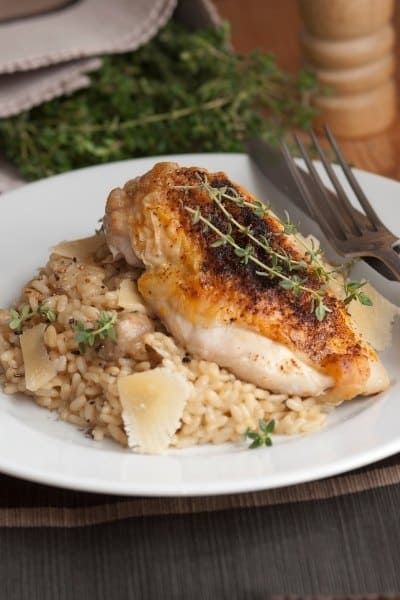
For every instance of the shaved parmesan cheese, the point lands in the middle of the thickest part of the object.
(81, 248)
(374, 322)
(39, 369)
(129, 298)
(152, 407)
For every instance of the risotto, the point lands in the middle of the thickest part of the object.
(84, 388)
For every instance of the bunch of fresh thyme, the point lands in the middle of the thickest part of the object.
(182, 92)
(273, 263)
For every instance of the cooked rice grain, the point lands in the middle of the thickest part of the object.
(84, 391)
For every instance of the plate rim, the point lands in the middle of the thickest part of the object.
(197, 490)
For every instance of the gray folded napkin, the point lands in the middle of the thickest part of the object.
(50, 54)
(30, 47)
(21, 90)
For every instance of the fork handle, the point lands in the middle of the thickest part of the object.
(391, 259)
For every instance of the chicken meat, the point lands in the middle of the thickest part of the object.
(217, 305)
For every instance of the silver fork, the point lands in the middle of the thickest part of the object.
(351, 233)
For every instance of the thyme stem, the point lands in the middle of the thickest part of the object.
(252, 258)
(352, 289)
(245, 230)
(172, 115)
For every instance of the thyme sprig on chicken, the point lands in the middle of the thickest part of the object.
(246, 254)
(281, 264)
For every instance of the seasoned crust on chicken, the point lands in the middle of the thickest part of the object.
(217, 306)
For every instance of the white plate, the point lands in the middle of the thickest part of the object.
(37, 446)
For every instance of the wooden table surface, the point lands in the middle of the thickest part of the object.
(274, 25)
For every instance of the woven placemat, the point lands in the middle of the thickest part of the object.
(335, 597)
(25, 504)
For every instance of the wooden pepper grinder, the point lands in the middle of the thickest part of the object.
(349, 45)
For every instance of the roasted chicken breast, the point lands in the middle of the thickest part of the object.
(218, 305)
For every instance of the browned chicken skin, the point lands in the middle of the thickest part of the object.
(217, 306)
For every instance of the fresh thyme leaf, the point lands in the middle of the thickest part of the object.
(14, 323)
(218, 243)
(353, 286)
(353, 292)
(314, 253)
(270, 427)
(196, 215)
(320, 311)
(364, 299)
(244, 253)
(259, 210)
(289, 227)
(26, 313)
(262, 437)
(105, 326)
(47, 312)
(286, 284)
(256, 444)
(19, 317)
(184, 91)
(300, 266)
(90, 336)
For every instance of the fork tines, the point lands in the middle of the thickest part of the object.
(352, 232)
